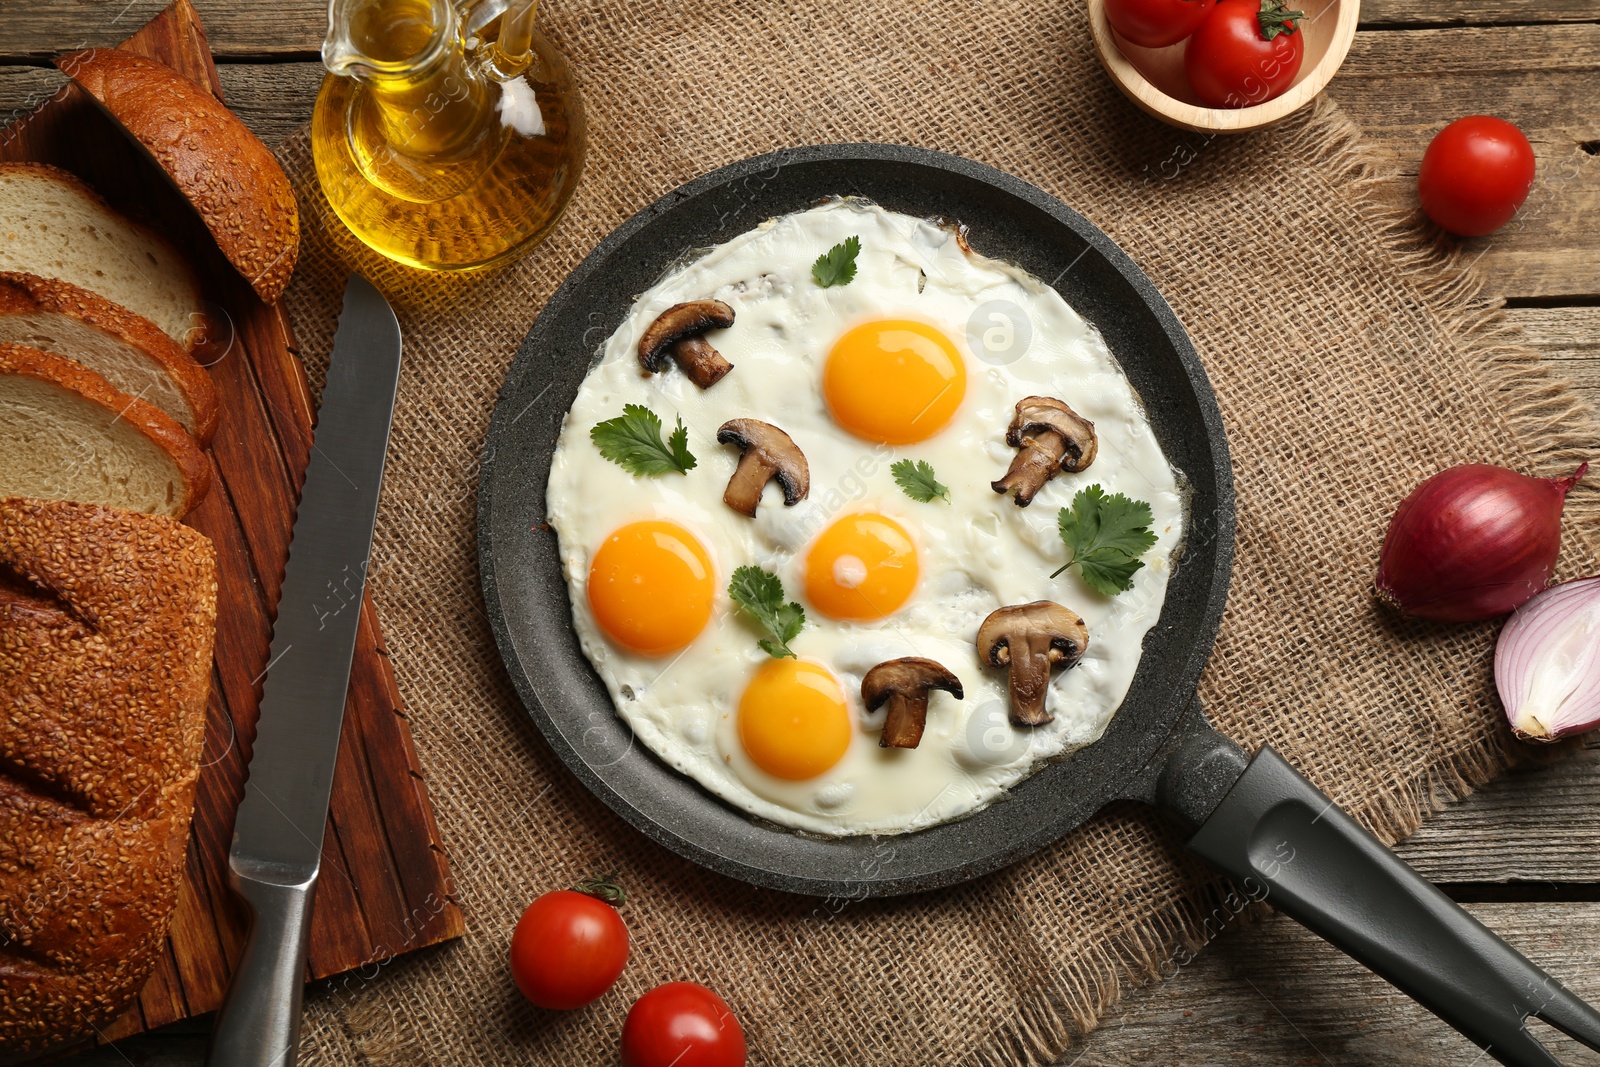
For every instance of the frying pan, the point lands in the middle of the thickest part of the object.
(1254, 817)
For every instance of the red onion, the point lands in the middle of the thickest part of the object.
(1547, 664)
(1472, 542)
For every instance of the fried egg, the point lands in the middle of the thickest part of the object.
(923, 355)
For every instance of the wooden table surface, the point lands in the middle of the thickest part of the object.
(1523, 855)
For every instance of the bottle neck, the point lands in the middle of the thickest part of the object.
(426, 99)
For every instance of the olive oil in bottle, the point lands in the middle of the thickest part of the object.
(440, 148)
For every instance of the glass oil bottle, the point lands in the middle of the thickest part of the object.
(445, 138)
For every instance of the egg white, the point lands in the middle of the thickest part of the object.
(976, 553)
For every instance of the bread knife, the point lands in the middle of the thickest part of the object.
(277, 836)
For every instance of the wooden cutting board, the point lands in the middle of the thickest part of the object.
(385, 886)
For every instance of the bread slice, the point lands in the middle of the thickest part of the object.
(108, 619)
(125, 349)
(55, 226)
(231, 178)
(66, 434)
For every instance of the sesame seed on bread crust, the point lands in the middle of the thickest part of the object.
(224, 170)
(107, 619)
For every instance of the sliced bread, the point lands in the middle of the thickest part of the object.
(109, 619)
(67, 434)
(224, 170)
(125, 349)
(55, 226)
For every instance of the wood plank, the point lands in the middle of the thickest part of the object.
(40, 30)
(1568, 340)
(1270, 993)
(1403, 87)
(1383, 14)
(1536, 825)
(273, 99)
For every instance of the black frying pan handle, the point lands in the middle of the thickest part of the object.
(1281, 837)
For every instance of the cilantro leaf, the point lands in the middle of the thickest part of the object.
(1106, 536)
(837, 266)
(1108, 572)
(918, 481)
(633, 442)
(760, 594)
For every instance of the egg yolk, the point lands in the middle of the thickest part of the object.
(894, 380)
(862, 567)
(793, 722)
(651, 587)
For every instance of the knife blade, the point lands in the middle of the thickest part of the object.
(277, 838)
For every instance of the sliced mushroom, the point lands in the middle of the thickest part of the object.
(766, 453)
(904, 685)
(677, 331)
(1032, 640)
(1052, 437)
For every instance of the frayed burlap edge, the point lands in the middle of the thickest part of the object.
(1553, 426)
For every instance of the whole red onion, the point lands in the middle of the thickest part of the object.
(1472, 542)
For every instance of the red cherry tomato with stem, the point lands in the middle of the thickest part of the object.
(1246, 52)
(1475, 175)
(570, 945)
(1157, 23)
(681, 1024)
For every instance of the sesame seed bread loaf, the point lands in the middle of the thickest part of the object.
(67, 434)
(55, 226)
(125, 349)
(223, 169)
(107, 620)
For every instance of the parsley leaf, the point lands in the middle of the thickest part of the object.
(1106, 535)
(918, 481)
(760, 593)
(837, 266)
(633, 442)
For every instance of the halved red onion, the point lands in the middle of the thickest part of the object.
(1547, 662)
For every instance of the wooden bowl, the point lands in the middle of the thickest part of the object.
(1153, 78)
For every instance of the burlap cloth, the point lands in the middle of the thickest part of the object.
(1350, 360)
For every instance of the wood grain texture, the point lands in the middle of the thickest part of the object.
(1269, 993)
(284, 27)
(1536, 825)
(385, 886)
(1392, 14)
(1568, 338)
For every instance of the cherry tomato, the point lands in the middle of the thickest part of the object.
(567, 949)
(681, 1024)
(1475, 174)
(1246, 53)
(1157, 23)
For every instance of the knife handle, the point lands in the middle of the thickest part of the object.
(258, 1024)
